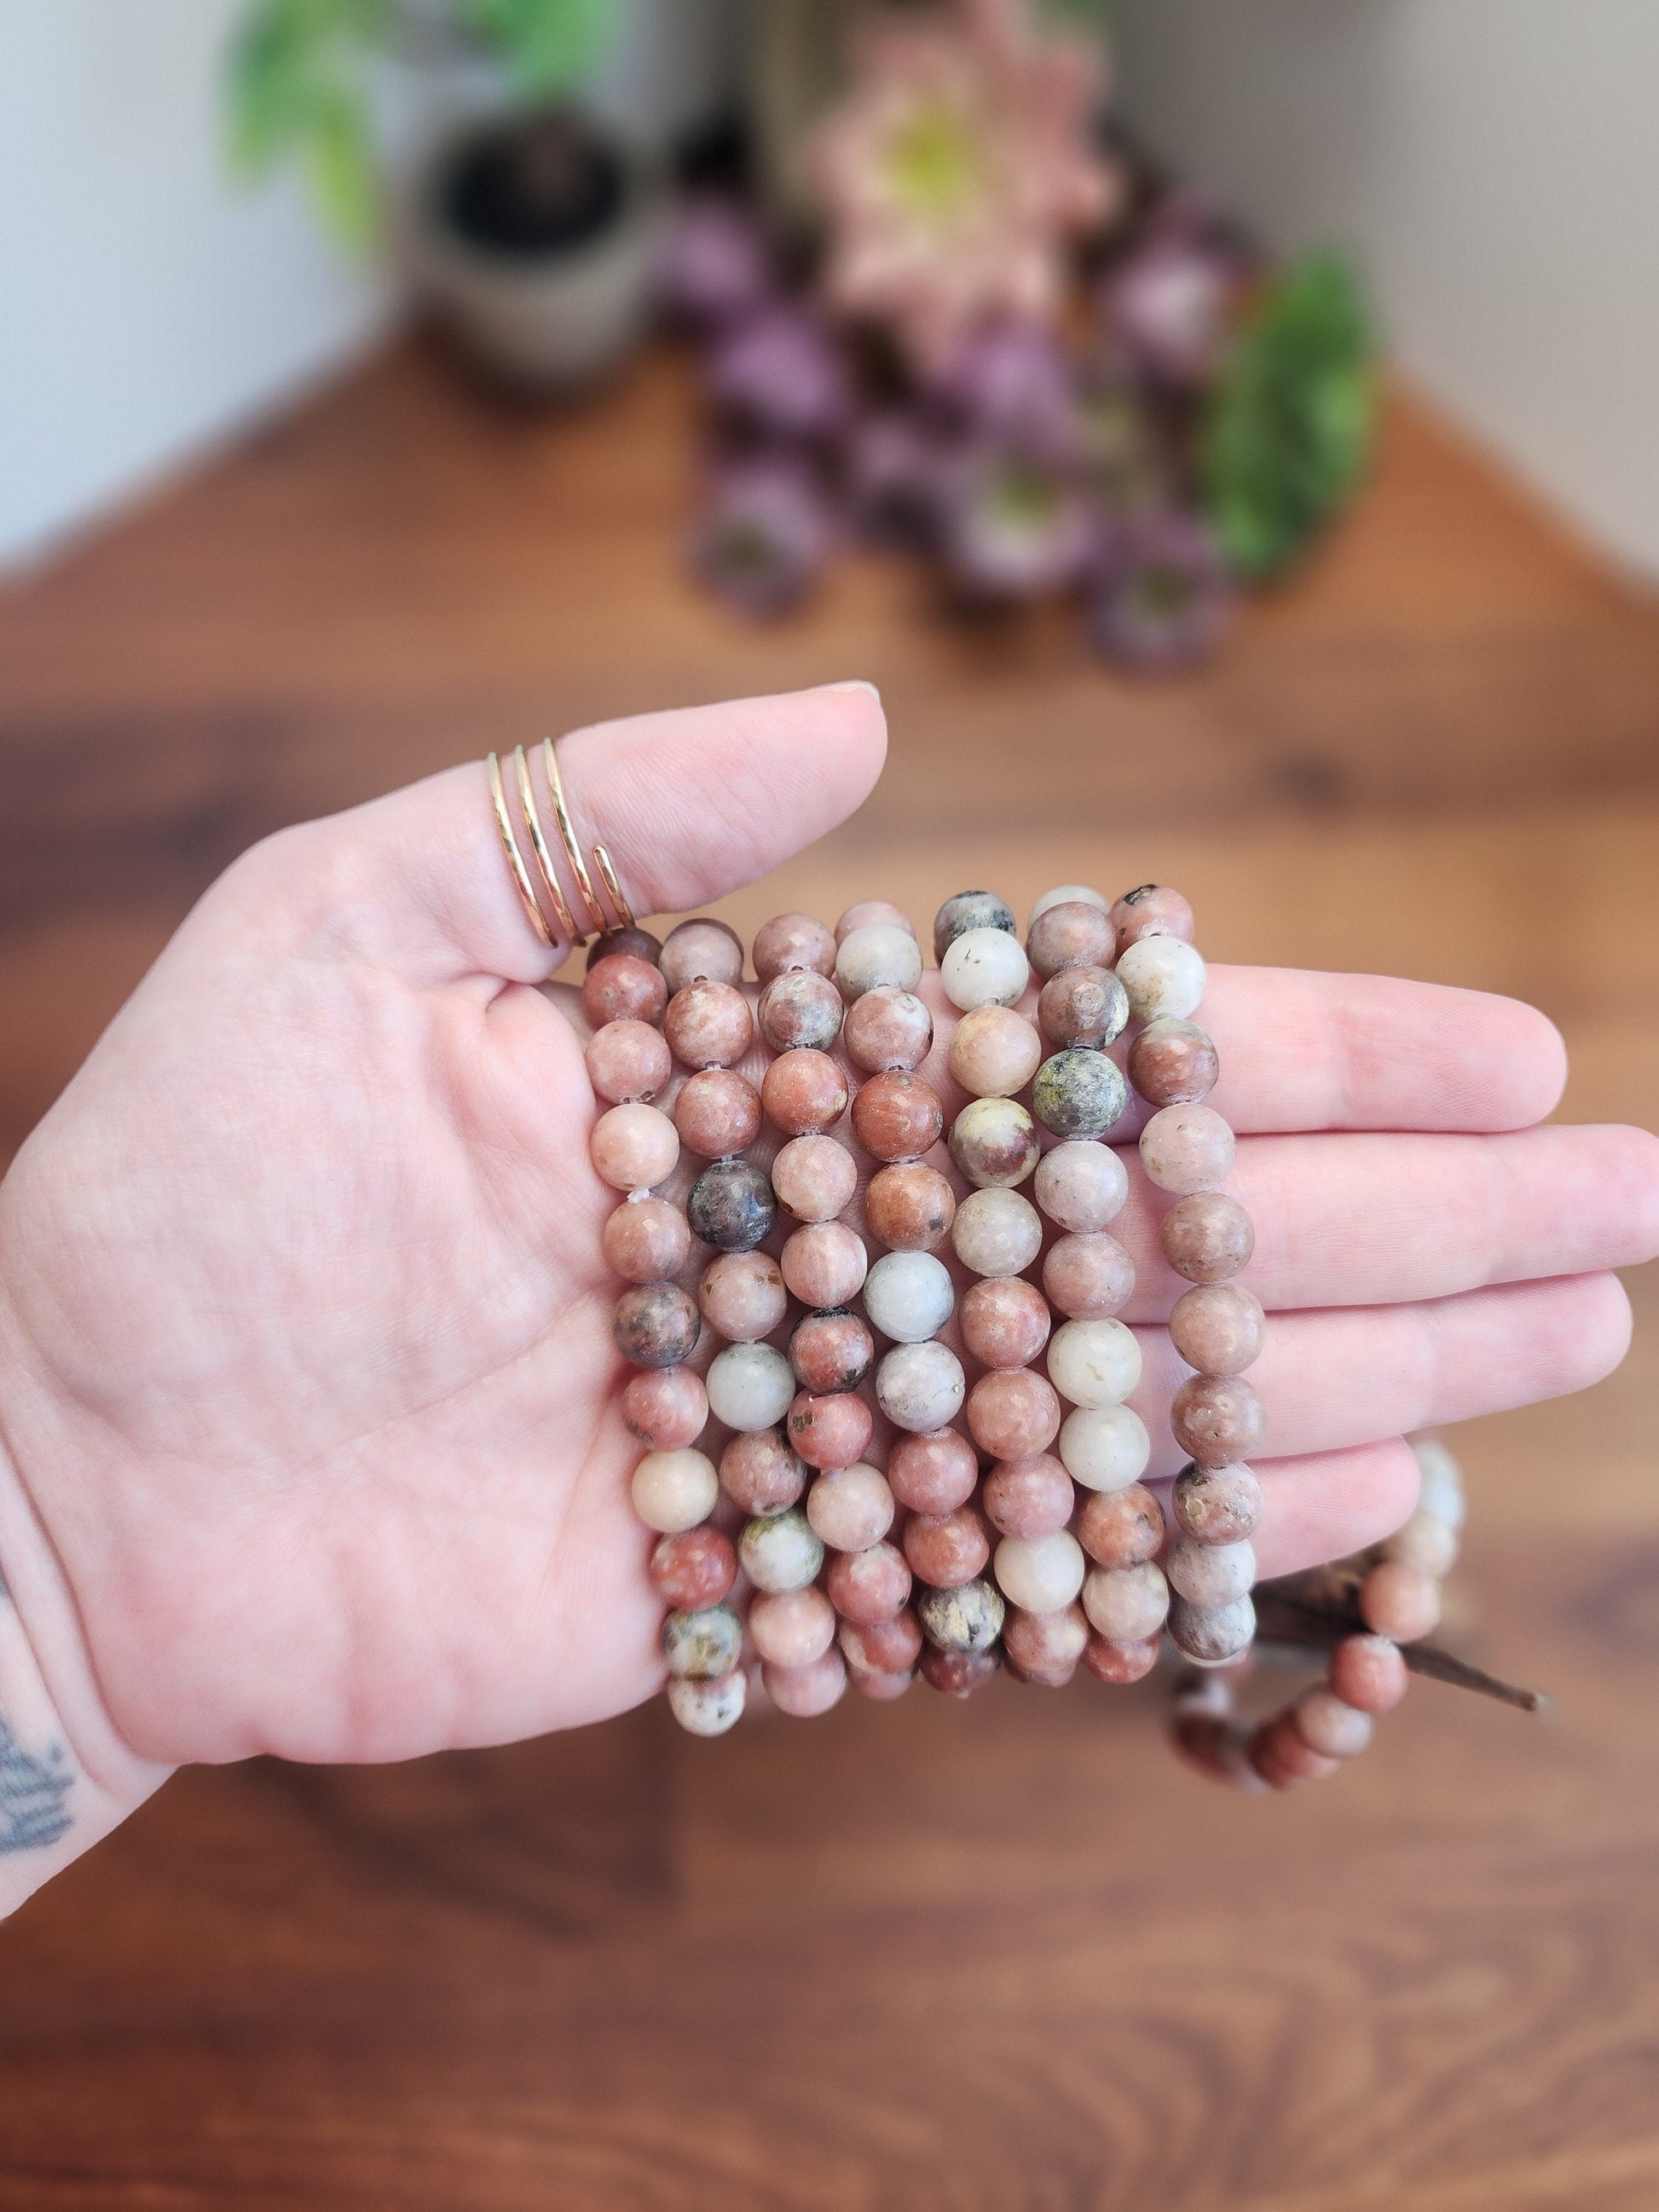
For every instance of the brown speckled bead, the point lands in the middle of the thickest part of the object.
(868, 1586)
(701, 950)
(1078, 1093)
(1173, 1063)
(794, 941)
(883, 1647)
(634, 1147)
(665, 1407)
(656, 1325)
(1120, 1527)
(993, 1143)
(1207, 1239)
(1044, 1647)
(830, 1431)
(1088, 1277)
(967, 1618)
(804, 1093)
(1400, 1602)
(741, 1295)
(1216, 1504)
(1070, 935)
(946, 1549)
(909, 1207)
(730, 1206)
(628, 1059)
(1212, 1634)
(804, 1693)
(825, 1264)
(791, 1628)
(1369, 1673)
(717, 1113)
(1219, 1328)
(760, 1474)
(801, 1011)
(1029, 1496)
(694, 1568)
(969, 910)
(1082, 1006)
(850, 1507)
(1187, 1149)
(1327, 1724)
(622, 989)
(1113, 1659)
(1013, 1413)
(1151, 910)
(1004, 1320)
(646, 1239)
(1217, 1419)
(897, 1116)
(815, 1177)
(959, 1673)
(887, 1029)
(638, 943)
(708, 1024)
(863, 913)
(994, 1052)
(830, 1352)
(934, 1471)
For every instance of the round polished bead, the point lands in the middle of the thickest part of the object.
(1369, 1673)
(897, 1115)
(825, 1264)
(1044, 1647)
(801, 1011)
(637, 942)
(830, 1352)
(1029, 1498)
(909, 1207)
(623, 988)
(1081, 1187)
(815, 1177)
(887, 1029)
(791, 1627)
(959, 1673)
(967, 1618)
(1173, 1064)
(634, 1147)
(1041, 1574)
(665, 1407)
(655, 1325)
(1012, 1413)
(1219, 1328)
(1400, 1602)
(868, 1586)
(701, 950)
(1120, 1661)
(749, 1386)
(1088, 1277)
(1151, 910)
(994, 1052)
(717, 1113)
(1211, 1574)
(702, 1646)
(780, 1551)
(832, 1429)
(803, 1692)
(993, 1143)
(1164, 977)
(851, 1507)
(880, 1687)
(984, 968)
(1126, 1603)
(920, 1386)
(741, 1295)
(1094, 1363)
(730, 1206)
(877, 952)
(1208, 1237)
(909, 1296)
(794, 941)
(694, 1568)
(996, 1232)
(864, 914)
(1120, 1527)
(1104, 1448)
(970, 910)
(1326, 1724)
(709, 1708)
(1082, 1007)
(708, 1024)
(646, 1240)
(1078, 1093)
(1004, 1320)
(1072, 934)
(882, 1647)
(1066, 894)
(1426, 1541)
(1217, 1419)
(1187, 1149)
(1212, 1634)
(628, 1059)
(946, 1549)
(1216, 1504)
(760, 1474)
(934, 1471)
(674, 1490)
(804, 1093)
(1442, 1491)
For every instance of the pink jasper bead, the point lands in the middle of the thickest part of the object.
(1187, 1149)
(959, 1673)
(804, 1093)
(996, 1232)
(882, 1689)
(634, 1147)
(1081, 1185)
(1082, 1006)
(887, 1030)
(1400, 1602)
(909, 1207)
(1126, 1604)
(717, 1113)
(1120, 1527)
(694, 1568)
(1004, 1321)
(628, 1059)
(815, 1177)
(794, 941)
(1120, 1660)
(1027, 1497)
(1044, 1647)
(830, 1431)
(1070, 935)
(994, 1143)
(1216, 1504)
(791, 1628)
(1173, 1064)
(1326, 1724)
(825, 1264)
(868, 1586)
(804, 1693)
(946, 1549)
(1281, 1758)
(621, 988)
(800, 1012)
(1217, 1419)
(1153, 910)
(1212, 1634)
(934, 1471)
(646, 1240)
(1219, 1328)
(1013, 1414)
(897, 1116)
(864, 913)
(708, 1024)
(656, 1325)
(760, 1474)
(741, 1295)
(851, 1507)
(1207, 1239)
(1088, 1277)
(994, 1052)
(666, 1408)
(1369, 1673)
(882, 1647)
(831, 1351)
(701, 950)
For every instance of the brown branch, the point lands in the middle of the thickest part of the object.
(1282, 1618)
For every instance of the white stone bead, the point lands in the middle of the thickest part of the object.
(1095, 1363)
(920, 1386)
(1443, 1481)
(1126, 1603)
(850, 1507)
(675, 1490)
(1081, 1185)
(1042, 1574)
(749, 1386)
(1425, 1543)
(984, 968)
(1211, 1574)
(1164, 977)
(1104, 1448)
(909, 1296)
(996, 1232)
(709, 1708)
(1067, 895)
(780, 1551)
(880, 952)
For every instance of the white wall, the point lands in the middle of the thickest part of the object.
(1496, 163)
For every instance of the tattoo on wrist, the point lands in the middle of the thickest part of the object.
(33, 1814)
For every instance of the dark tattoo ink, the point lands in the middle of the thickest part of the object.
(32, 1793)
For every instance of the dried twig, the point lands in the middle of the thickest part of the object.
(1284, 1617)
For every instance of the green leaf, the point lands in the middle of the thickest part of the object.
(297, 91)
(549, 46)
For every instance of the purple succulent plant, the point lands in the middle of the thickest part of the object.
(765, 535)
(1012, 526)
(714, 266)
(1169, 305)
(782, 373)
(1159, 594)
(896, 464)
(1014, 382)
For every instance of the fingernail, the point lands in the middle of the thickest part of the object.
(854, 683)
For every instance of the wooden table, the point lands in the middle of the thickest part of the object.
(997, 1956)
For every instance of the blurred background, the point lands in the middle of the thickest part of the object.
(1223, 429)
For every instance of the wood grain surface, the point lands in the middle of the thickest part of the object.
(926, 1957)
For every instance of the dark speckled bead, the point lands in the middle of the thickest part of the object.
(970, 910)
(656, 1325)
(959, 1673)
(1083, 1005)
(800, 1011)
(1173, 1063)
(1078, 1093)
(968, 1618)
(700, 1645)
(639, 942)
(730, 1206)
(831, 1351)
